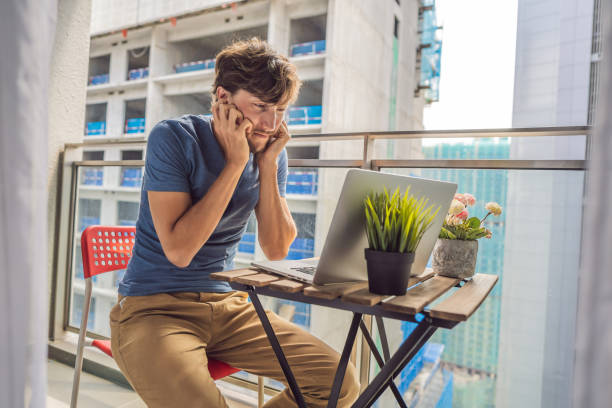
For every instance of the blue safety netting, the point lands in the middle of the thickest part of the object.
(431, 51)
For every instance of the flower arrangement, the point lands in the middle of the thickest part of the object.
(459, 225)
(395, 223)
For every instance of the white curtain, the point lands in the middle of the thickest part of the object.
(27, 29)
(593, 374)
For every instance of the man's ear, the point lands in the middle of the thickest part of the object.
(222, 95)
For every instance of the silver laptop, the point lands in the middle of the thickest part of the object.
(342, 258)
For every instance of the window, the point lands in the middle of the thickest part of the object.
(138, 63)
(127, 212)
(131, 176)
(303, 245)
(92, 176)
(135, 116)
(89, 213)
(95, 119)
(99, 68)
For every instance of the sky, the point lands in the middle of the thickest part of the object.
(477, 66)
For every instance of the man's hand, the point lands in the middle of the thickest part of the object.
(274, 148)
(231, 128)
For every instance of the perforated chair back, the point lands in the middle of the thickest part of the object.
(106, 249)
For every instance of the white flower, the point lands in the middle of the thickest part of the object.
(452, 220)
(456, 207)
(493, 208)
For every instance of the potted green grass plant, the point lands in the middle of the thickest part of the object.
(395, 225)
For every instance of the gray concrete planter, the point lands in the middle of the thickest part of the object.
(455, 258)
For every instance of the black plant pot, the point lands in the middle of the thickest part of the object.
(388, 272)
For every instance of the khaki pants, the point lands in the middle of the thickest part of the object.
(161, 343)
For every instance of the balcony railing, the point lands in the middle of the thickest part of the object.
(98, 79)
(307, 48)
(138, 73)
(131, 177)
(95, 129)
(479, 173)
(194, 66)
(92, 176)
(135, 125)
(304, 115)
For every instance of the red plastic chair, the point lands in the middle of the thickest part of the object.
(106, 249)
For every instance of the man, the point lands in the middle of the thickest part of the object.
(202, 181)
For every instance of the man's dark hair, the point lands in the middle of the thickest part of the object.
(255, 67)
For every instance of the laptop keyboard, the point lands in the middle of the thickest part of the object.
(309, 270)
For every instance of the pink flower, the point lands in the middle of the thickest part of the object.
(461, 198)
(469, 199)
(462, 215)
(488, 234)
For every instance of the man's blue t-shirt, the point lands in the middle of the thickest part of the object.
(183, 155)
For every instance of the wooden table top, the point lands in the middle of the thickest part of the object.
(423, 291)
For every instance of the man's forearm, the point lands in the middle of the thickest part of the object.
(196, 225)
(276, 228)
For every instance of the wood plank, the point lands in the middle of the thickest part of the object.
(334, 290)
(259, 280)
(419, 296)
(287, 285)
(230, 276)
(464, 302)
(427, 274)
(364, 297)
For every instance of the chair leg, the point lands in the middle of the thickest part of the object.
(78, 364)
(260, 391)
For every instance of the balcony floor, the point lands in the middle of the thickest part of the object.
(94, 392)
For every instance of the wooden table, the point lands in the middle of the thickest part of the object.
(355, 297)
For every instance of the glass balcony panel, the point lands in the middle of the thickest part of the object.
(529, 244)
(304, 115)
(471, 356)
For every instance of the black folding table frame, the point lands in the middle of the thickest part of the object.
(390, 366)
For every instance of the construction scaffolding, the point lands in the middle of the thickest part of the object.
(430, 51)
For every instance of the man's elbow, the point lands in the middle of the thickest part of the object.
(276, 255)
(178, 258)
(276, 252)
(279, 252)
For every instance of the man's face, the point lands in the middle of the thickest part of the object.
(266, 118)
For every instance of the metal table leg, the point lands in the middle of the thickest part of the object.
(276, 347)
(344, 358)
(381, 364)
(383, 337)
(398, 361)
